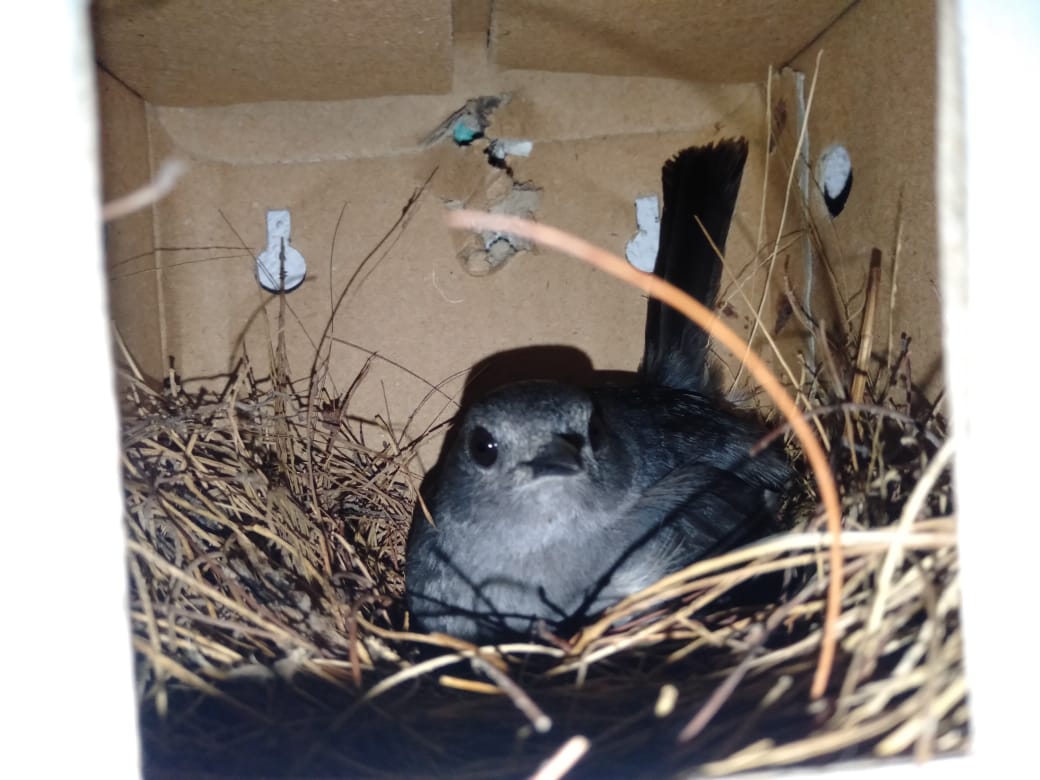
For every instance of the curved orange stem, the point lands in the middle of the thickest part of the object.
(657, 287)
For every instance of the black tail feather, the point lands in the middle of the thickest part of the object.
(699, 182)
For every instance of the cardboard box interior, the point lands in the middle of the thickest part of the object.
(321, 108)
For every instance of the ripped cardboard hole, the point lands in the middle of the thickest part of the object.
(488, 251)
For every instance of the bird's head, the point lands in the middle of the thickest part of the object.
(531, 442)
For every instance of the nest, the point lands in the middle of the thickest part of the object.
(266, 540)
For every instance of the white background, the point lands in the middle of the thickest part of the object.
(67, 698)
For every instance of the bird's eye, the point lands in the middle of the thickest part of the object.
(483, 448)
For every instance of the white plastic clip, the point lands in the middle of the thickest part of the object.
(641, 251)
(280, 268)
(835, 171)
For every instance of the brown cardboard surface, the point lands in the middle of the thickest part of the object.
(415, 305)
(599, 141)
(213, 52)
(471, 16)
(699, 40)
(135, 285)
(542, 106)
(876, 94)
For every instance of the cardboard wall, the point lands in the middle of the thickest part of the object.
(876, 94)
(415, 304)
(599, 141)
(134, 276)
(696, 40)
(213, 52)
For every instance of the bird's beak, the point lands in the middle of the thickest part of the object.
(560, 457)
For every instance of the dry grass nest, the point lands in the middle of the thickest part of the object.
(266, 543)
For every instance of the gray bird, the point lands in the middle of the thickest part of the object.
(551, 502)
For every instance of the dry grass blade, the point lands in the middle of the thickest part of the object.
(541, 722)
(563, 760)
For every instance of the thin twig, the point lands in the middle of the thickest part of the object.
(755, 640)
(541, 722)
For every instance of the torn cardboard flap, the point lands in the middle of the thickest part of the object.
(488, 251)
